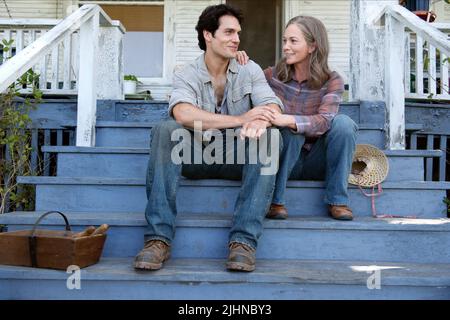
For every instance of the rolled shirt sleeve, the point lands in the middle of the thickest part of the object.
(262, 94)
(318, 124)
(182, 92)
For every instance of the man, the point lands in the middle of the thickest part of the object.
(217, 92)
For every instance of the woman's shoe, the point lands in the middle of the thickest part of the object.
(340, 212)
(277, 211)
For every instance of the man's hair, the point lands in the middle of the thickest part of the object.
(209, 20)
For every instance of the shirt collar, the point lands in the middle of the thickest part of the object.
(203, 71)
(295, 79)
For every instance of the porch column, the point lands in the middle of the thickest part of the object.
(110, 63)
(87, 95)
(369, 53)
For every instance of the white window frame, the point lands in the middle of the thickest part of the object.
(169, 37)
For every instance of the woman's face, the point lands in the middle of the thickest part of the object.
(295, 47)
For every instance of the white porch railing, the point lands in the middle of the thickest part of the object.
(65, 56)
(58, 70)
(399, 23)
(426, 68)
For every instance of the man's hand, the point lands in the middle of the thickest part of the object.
(254, 129)
(263, 113)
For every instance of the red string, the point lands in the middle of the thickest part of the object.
(374, 212)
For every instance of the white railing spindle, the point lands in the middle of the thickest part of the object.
(67, 64)
(444, 74)
(431, 70)
(407, 62)
(419, 65)
(43, 67)
(55, 68)
(75, 57)
(19, 40)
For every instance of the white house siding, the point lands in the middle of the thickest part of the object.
(336, 17)
(181, 44)
(45, 9)
(186, 17)
(442, 10)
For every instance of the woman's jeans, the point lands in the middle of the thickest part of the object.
(163, 176)
(329, 159)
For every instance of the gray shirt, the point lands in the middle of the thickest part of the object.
(246, 87)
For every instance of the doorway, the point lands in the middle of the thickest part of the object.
(261, 29)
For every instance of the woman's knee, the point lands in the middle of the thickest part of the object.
(289, 137)
(343, 125)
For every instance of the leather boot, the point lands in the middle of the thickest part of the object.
(241, 258)
(152, 256)
(277, 211)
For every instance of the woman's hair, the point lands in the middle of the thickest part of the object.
(209, 20)
(315, 34)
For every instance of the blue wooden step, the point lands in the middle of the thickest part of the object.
(137, 134)
(423, 199)
(132, 162)
(206, 236)
(123, 134)
(207, 279)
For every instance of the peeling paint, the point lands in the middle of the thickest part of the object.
(368, 51)
(110, 64)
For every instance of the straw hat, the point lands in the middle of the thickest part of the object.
(370, 166)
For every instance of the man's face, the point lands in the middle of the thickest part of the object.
(225, 42)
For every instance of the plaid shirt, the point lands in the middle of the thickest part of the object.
(313, 109)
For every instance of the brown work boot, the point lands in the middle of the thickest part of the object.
(241, 258)
(340, 212)
(277, 211)
(153, 255)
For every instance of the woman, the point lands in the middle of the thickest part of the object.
(317, 142)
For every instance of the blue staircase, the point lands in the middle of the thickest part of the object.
(307, 256)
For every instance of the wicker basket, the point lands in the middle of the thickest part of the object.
(49, 248)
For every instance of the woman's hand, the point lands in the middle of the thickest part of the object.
(242, 57)
(258, 113)
(284, 120)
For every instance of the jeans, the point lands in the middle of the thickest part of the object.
(163, 176)
(329, 159)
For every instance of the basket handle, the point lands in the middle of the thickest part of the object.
(32, 237)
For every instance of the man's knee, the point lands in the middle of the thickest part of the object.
(165, 128)
(343, 125)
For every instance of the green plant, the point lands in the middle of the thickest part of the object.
(447, 203)
(131, 77)
(15, 139)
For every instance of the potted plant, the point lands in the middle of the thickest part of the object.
(129, 84)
